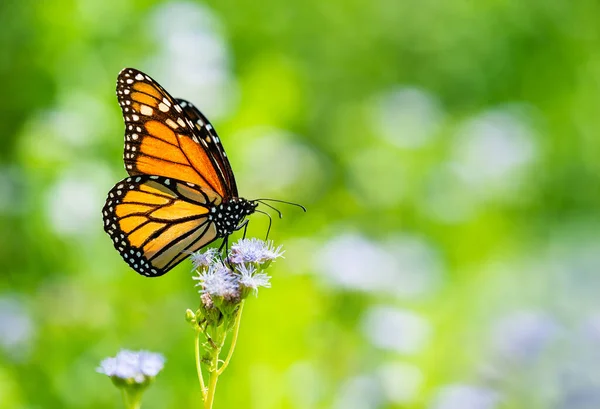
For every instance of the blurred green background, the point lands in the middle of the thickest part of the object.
(448, 155)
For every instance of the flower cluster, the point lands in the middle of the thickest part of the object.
(254, 251)
(132, 372)
(240, 271)
(225, 283)
(132, 367)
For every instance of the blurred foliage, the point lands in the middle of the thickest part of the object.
(448, 155)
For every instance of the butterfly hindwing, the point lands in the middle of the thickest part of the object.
(160, 138)
(156, 222)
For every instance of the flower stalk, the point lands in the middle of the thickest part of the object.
(132, 372)
(224, 285)
(132, 399)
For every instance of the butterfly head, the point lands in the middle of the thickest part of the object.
(228, 215)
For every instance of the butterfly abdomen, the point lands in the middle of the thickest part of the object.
(228, 215)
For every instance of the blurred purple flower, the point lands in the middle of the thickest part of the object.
(132, 365)
(522, 336)
(16, 327)
(584, 398)
(465, 397)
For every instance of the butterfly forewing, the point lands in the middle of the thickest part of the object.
(156, 222)
(160, 138)
(207, 135)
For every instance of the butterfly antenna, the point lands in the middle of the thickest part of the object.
(274, 208)
(270, 221)
(281, 201)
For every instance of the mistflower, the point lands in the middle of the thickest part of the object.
(203, 259)
(225, 283)
(132, 366)
(250, 279)
(253, 251)
(218, 280)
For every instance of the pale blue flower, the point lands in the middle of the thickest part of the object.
(254, 251)
(249, 278)
(150, 363)
(218, 280)
(204, 259)
(522, 336)
(132, 365)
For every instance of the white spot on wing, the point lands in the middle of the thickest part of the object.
(146, 110)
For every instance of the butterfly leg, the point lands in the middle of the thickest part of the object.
(224, 260)
(245, 226)
(224, 244)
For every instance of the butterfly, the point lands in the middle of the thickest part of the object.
(181, 193)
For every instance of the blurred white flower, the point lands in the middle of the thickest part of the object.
(400, 381)
(137, 366)
(73, 201)
(16, 326)
(408, 117)
(359, 392)
(521, 336)
(591, 328)
(398, 330)
(193, 60)
(465, 397)
(402, 266)
(280, 157)
(492, 151)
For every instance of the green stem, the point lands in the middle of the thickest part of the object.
(212, 383)
(214, 369)
(236, 330)
(132, 398)
(198, 365)
(125, 400)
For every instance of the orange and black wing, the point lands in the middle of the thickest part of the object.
(156, 222)
(211, 143)
(160, 138)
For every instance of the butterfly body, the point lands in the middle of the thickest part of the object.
(227, 216)
(181, 193)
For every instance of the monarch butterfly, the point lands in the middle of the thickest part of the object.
(181, 193)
